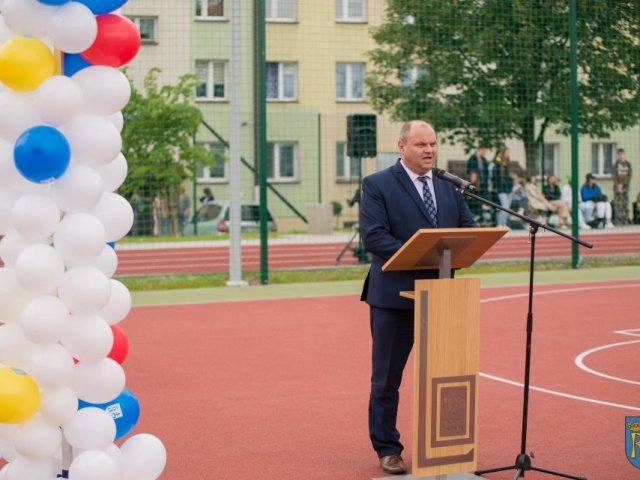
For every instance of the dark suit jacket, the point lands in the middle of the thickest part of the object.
(391, 211)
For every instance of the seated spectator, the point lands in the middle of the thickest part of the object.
(538, 202)
(208, 196)
(619, 205)
(566, 197)
(594, 204)
(519, 203)
(636, 210)
(482, 214)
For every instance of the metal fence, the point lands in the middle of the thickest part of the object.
(271, 111)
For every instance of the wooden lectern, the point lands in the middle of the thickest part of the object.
(447, 313)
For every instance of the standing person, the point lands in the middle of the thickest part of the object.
(184, 209)
(501, 183)
(479, 164)
(621, 175)
(395, 203)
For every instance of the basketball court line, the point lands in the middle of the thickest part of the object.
(579, 360)
(555, 392)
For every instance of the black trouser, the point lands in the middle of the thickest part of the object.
(392, 334)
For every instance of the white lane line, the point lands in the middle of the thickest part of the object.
(554, 392)
(579, 360)
(560, 394)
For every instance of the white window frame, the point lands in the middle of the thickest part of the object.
(204, 11)
(206, 176)
(342, 158)
(276, 162)
(210, 96)
(348, 82)
(281, 74)
(598, 164)
(137, 19)
(272, 13)
(342, 12)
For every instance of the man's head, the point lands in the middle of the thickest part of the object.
(590, 179)
(481, 151)
(552, 180)
(621, 156)
(418, 146)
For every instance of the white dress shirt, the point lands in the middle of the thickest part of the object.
(419, 185)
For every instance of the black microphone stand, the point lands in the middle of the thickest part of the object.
(523, 460)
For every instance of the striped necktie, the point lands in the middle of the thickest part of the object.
(428, 201)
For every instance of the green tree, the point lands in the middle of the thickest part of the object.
(489, 70)
(160, 123)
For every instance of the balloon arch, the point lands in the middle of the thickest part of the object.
(63, 400)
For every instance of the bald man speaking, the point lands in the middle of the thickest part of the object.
(395, 203)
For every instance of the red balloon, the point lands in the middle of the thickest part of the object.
(120, 345)
(116, 44)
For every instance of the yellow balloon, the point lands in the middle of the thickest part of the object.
(25, 63)
(19, 396)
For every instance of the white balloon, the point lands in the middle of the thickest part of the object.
(90, 428)
(13, 297)
(107, 261)
(5, 32)
(23, 468)
(114, 452)
(84, 289)
(94, 140)
(98, 382)
(117, 119)
(27, 17)
(58, 405)
(51, 366)
(79, 189)
(15, 349)
(94, 465)
(7, 451)
(106, 90)
(8, 199)
(35, 216)
(37, 438)
(11, 245)
(119, 304)
(143, 457)
(19, 113)
(88, 338)
(39, 268)
(114, 173)
(73, 27)
(58, 99)
(116, 214)
(44, 319)
(79, 238)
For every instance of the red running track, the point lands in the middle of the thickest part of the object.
(278, 389)
(149, 261)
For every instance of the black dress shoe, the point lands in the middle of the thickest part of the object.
(392, 464)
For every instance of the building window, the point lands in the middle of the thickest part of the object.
(347, 168)
(350, 81)
(281, 10)
(211, 79)
(550, 160)
(209, 8)
(147, 28)
(602, 155)
(350, 10)
(216, 168)
(281, 161)
(411, 75)
(282, 79)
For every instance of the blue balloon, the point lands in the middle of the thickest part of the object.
(124, 409)
(112, 244)
(41, 154)
(53, 2)
(98, 7)
(72, 63)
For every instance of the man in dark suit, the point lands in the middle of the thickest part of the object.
(395, 203)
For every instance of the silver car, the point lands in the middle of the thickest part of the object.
(213, 218)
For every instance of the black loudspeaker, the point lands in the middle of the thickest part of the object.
(361, 135)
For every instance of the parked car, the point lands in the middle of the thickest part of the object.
(213, 218)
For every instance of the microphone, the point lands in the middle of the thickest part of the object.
(449, 177)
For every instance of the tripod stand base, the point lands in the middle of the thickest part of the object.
(523, 464)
